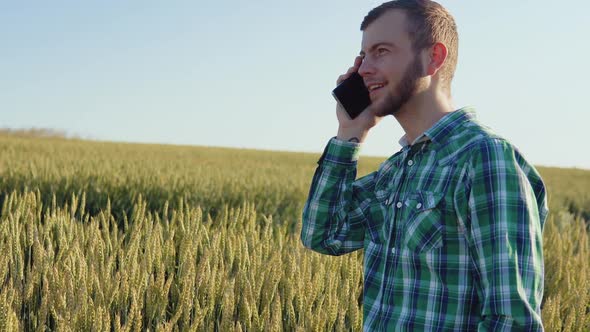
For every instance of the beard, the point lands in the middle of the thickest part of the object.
(404, 91)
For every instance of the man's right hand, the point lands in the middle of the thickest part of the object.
(358, 128)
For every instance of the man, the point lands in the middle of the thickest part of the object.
(451, 225)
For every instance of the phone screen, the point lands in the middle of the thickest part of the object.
(352, 95)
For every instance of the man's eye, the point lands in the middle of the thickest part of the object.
(381, 51)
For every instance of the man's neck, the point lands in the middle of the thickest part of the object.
(422, 112)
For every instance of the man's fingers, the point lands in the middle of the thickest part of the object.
(341, 78)
(358, 60)
(357, 63)
(345, 76)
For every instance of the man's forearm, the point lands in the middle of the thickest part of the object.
(329, 228)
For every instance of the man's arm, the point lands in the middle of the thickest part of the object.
(333, 218)
(505, 240)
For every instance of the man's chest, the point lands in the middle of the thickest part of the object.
(419, 201)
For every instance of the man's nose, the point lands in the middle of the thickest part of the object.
(366, 68)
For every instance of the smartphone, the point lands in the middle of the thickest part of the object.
(352, 95)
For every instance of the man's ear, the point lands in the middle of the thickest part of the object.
(436, 57)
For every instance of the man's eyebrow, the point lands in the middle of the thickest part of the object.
(377, 45)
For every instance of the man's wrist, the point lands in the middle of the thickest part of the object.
(340, 153)
(351, 135)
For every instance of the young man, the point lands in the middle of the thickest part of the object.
(451, 225)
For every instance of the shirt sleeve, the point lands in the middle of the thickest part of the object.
(332, 215)
(505, 240)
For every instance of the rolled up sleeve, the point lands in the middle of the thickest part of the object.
(332, 215)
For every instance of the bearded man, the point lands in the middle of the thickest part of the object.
(451, 225)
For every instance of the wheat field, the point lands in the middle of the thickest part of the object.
(98, 236)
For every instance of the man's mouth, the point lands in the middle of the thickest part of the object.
(373, 88)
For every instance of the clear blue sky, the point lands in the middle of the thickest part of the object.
(258, 74)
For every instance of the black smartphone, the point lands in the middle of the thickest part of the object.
(352, 95)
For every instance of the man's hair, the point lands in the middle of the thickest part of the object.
(428, 23)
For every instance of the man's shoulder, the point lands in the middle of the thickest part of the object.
(471, 139)
(487, 146)
(467, 139)
(476, 131)
(483, 139)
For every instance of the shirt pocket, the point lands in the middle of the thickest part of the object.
(423, 231)
(375, 224)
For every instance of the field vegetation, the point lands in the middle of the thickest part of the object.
(117, 237)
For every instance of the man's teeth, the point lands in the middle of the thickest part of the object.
(375, 87)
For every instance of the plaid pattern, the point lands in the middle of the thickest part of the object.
(451, 228)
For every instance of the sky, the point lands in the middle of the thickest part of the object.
(259, 74)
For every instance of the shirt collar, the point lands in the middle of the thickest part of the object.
(403, 141)
(443, 127)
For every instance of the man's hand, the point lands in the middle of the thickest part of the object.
(354, 129)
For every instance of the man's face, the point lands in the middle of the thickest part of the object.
(389, 60)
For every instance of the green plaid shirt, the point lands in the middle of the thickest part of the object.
(451, 228)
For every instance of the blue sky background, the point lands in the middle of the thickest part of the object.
(258, 74)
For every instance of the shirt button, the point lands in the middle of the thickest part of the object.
(393, 250)
(419, 205)
(410, 162)
(399, 205)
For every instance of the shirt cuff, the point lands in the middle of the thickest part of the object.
(340, 152)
